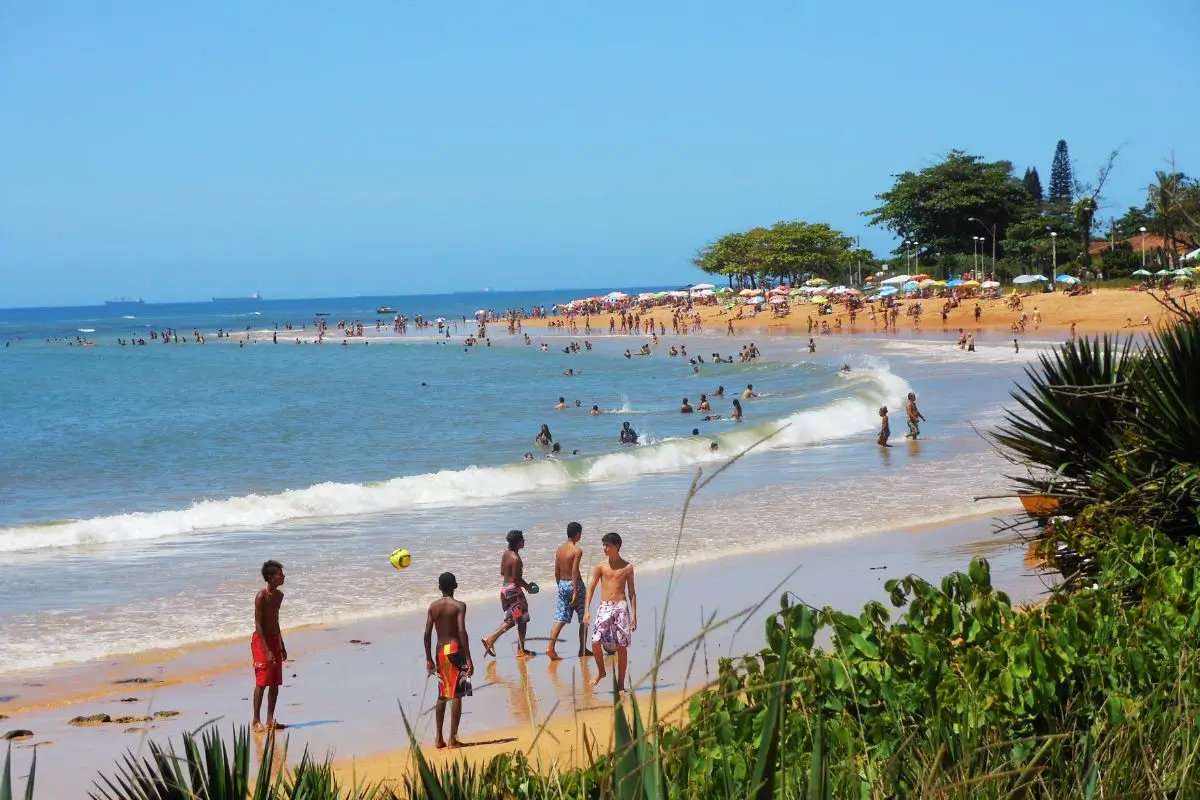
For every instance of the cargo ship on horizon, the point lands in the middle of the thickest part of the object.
(125, 301)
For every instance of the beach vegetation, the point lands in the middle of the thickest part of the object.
(788, 252)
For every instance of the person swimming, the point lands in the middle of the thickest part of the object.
(562, 403)
(704, 406)
(720, 392)
(544, 439)
(685, 407)
(628, 435)
(595, 412)
(737, 411)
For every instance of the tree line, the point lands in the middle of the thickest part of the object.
(964, 210)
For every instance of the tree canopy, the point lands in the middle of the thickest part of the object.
(788, 251)
(934, 207)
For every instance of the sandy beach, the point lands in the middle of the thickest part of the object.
(1102, 311)
(343, 683)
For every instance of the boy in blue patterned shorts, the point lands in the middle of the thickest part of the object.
(616, 619)
(570, 591)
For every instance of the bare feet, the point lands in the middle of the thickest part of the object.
(599, 678)
(584, 654)
(553, 656)
(440, 744)
(454, 742)
(257, 727)
(274, 725)
(526, 654)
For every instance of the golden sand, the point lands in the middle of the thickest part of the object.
(1102, 311)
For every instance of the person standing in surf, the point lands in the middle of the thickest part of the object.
(513, 603)
(910, 409)
(616, 618)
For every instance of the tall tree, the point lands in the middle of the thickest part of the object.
(1084, 209)
(787, 251)
(1062, 183)
(934, 206)
(1033, 185)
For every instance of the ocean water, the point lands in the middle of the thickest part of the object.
(142, 487)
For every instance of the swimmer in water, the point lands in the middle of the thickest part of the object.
(628, 435)
(595, 412)
(720, 392)
(562, 403)
(714, 447)
(685, 407)
(746, 395)
(544, 439)
(703, 404)
(737, 411)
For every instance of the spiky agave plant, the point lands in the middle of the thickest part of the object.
(6, 780)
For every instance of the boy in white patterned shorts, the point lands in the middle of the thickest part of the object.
(616, 619)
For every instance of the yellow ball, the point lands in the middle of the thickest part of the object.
(400, 559)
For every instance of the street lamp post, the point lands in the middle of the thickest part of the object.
(992, 231)
(1143, 232)
(1054, 258)
(978, 240)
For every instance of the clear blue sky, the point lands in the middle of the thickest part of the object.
(180, 150)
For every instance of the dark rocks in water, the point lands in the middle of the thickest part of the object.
(17, 735)
(165, 714)
(137, 680)
(3, 716)
(131, 720)
(129, 699)
(94, 719)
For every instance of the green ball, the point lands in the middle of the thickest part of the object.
(534, 588)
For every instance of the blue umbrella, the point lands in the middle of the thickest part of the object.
(1067, 279)
(911, 286)
(956, 282)
(888, 291)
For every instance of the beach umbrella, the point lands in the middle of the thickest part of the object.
(869, 278)
(926, 283)
(699, 287)
(911, 286)
(853, 291)
(704, 293)
(1186, 278)
(1069, 279)
(816, 282)
(1141, 273)
(723, 290)
(1162, 273)
(754, 300)
(646, 296)
(480, 313)
(820, 300)
(1021, 280)
(440, 319)
(956, 282)
(1183, 273)
(1193, 256)
(896, 280)
(777, 300)
(990, 284)
(616, 296)
(974, 284)
(888, 291)
(821, 290)
(921, 277)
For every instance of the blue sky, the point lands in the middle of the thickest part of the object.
(181, 150)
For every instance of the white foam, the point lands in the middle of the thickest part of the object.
(836, 419)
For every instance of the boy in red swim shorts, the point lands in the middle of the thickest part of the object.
(266, 645)
(452, 662)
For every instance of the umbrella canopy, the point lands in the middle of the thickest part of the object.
(956, 282)
(646, 296)
(777, 300)
(723, 290)
(911, 286)
(750, 292)
(974, 284)
(754, 300)
(888, 291)
(1186, 278)
(1162, 273)
(704, 293)
(480, 312)
(816, 282)
(1141, 273)
(1069, 279)
(820, 300)
(990, 284)
(926, 283)
(702, 286)
(1193, 256)
(921, 277)
(615, 296)
(1183, 273)
(1020, 280)
(896, 280)
(869, 278)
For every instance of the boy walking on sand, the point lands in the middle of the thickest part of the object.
(616, 618)
(267, 647)
(513, 602)
(570, 590)
(452, 663)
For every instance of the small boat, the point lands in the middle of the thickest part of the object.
(385, 310)
(1039, 505)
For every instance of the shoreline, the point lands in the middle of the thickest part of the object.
(357, 719)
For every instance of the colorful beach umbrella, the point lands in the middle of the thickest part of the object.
(699, 287)
(1141, 273)
(777, 300)
(888, 291)
(955, 282)
(973, 284)
(990, 284)
(911, 286)
(816, 282)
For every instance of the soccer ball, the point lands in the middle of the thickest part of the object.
(400, 559)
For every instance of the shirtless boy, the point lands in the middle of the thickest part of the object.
(616, 619)
(513, 602)
(266, 645)
(453, 663)
(571, 590)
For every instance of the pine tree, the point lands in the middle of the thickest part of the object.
(1061, 181)
(1033, 185)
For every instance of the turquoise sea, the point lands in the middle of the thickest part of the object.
(142, 487)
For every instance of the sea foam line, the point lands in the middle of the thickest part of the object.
(836, 419)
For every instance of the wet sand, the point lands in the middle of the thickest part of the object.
(343, 684)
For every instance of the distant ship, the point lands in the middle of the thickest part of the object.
(254, 298)
(125, 301)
